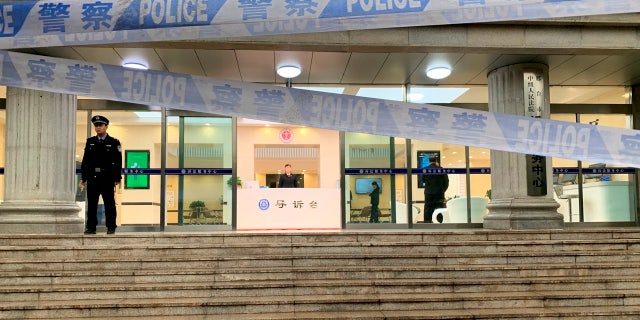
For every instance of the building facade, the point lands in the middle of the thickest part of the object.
(174, 158)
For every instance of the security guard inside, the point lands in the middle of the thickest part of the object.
(101, 173)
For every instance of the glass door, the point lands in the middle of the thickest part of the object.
(380, 161)
(199, 161)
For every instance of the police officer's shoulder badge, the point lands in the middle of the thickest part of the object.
(119, 145)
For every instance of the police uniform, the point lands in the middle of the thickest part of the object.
(101, 169)
(288, 181)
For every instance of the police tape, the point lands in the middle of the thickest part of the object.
(71, 22)
(324, 110)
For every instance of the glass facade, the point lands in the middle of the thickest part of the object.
(595, 192)
(179, 167)
(199, 151)
(368, 159)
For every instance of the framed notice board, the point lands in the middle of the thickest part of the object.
(136, 159)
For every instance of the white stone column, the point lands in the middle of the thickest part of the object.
(635, 106)
(39, 172)
(511, 207)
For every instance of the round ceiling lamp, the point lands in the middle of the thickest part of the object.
(289, 71)
(438, 73)
(135, 65)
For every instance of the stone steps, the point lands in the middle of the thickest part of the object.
(592, 313)
(316, 260)
(463, 302)
(331, 272)
(356, 275)
(228, 238)
(311, 287)
(508, 250)
(595, 313)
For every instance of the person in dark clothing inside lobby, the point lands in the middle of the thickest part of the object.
(434, 187)
(287, 179)
(375, 201)
(101, 172)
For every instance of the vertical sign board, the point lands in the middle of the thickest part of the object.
(534, 96)
(136, 160)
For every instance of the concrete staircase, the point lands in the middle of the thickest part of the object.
(477, 274)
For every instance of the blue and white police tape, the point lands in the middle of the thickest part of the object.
(68, 22)
(324, 110)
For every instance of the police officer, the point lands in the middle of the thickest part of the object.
(287, 179)
(101, 172)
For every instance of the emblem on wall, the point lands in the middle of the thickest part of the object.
(286, 135)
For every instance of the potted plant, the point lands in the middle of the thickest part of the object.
(238, 182)
(196, 204)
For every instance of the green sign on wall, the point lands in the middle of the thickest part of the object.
(136, 159)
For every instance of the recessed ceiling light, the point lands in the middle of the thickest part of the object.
(135, 65)
(289, 71)
(438, 73)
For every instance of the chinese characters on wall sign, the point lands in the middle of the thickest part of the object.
(297, 204)
(534, 97)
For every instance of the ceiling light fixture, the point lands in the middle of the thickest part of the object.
(135, 65)
(289, 71)
(438, 73)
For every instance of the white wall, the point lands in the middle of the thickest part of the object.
(249, 136)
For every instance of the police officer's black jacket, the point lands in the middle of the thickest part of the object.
(287, 181)
(102, 159)
(435, 184)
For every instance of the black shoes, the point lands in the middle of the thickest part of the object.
(109, 231)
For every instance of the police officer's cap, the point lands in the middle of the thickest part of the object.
(99, 120)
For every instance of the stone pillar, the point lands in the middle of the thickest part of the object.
(39, 173)
(635, 106)
(511, 206)
(635, 115)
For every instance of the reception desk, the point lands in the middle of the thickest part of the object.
(603, 201)
(288, 209)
